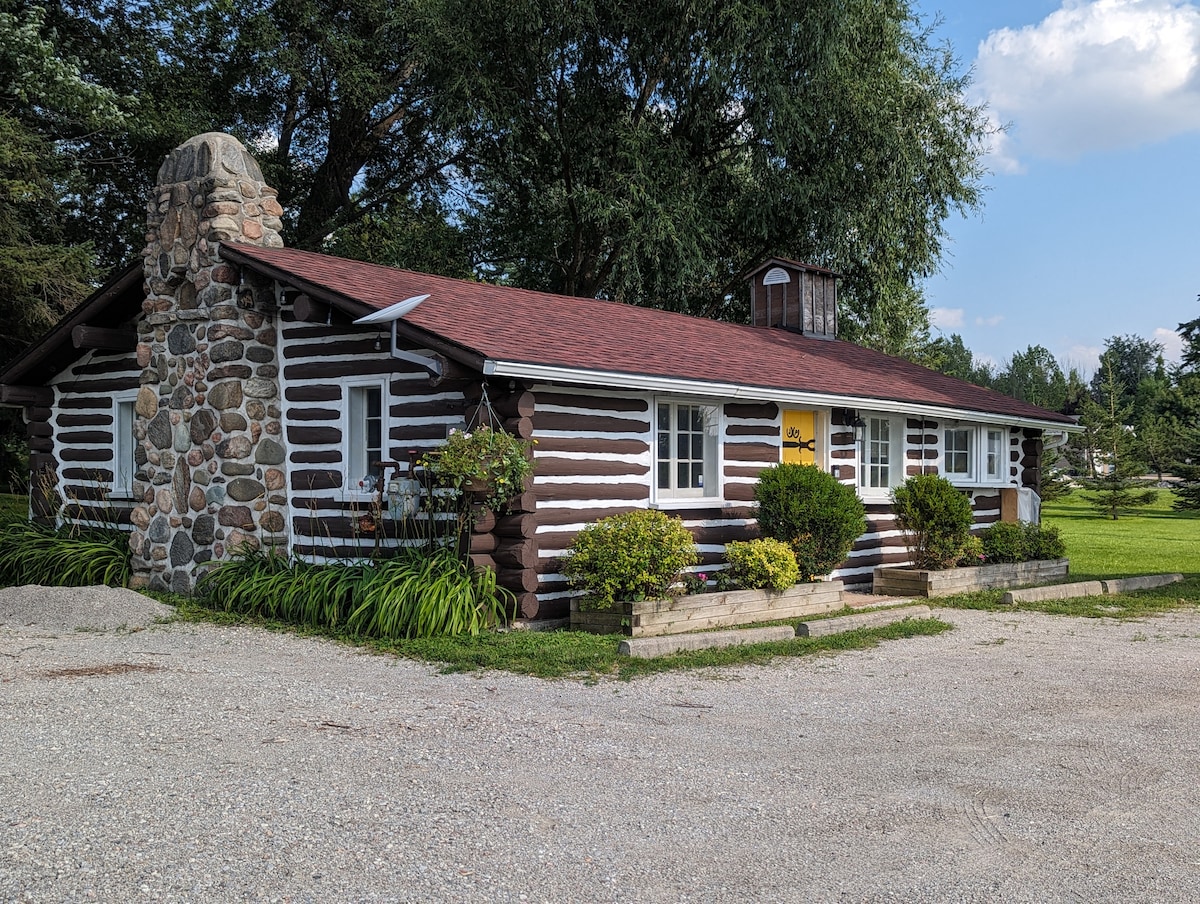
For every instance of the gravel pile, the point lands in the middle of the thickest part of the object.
(1020, 757)
(78, 608)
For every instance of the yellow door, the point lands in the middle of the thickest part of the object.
(800, 437)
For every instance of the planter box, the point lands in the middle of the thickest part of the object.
(917, 582)
(700, 611)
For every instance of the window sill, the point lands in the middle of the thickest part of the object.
(688, 502)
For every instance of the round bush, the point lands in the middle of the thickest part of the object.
(632, 556)
(1006, 541)
(1045, 542)
(818, 517)
(766, 563)
(936, 519)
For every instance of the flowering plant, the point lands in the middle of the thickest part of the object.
(490, 462)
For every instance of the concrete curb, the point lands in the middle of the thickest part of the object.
(1053, 592)
(1142, 582)
(649, 647)
(827, 626)
(1088, 588)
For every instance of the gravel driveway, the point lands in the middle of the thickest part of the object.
(1020, 757)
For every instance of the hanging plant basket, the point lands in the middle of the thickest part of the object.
(489, 465)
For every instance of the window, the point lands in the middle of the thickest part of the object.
(686, 459)
(957, 453)
(123, 447)
(994, 466)
(364, 437)
(880, 454)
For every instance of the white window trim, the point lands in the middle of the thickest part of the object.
(970, 476)
(351, 479)
(977, 459)
(117, 488)
(657, 498)
(899, 446)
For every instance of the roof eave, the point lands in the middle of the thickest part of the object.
(709, 389)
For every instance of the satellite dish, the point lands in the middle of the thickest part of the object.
(394, 312)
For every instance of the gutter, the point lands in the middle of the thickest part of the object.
(648, 383)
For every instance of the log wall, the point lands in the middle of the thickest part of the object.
(71, 442)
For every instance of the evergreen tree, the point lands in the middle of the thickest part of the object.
(1113, 479)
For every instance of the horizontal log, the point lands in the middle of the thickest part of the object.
(588, 467)
(527, 604)
(764, 410)
(893, 542)
(38, 428)
(524, 580)
(92, 475)
(343, 346)
(482, 560)
(552, 517)
(592, 403)
(84, 420)
(516, 554)
(331, 393)
(521, 427)
(927, 439)
(307, 309)
(356, 367)
(508, 404)
(83, 402)
(38, 413)
(313, 436)
(633, 492)
(76, 454)
(315, 456)
(588, 423)
(744, 470)
(406, 433)
(918, 424)
(483, 544)
(316, 479)
(519, 525)
(482, 520)
(525, 502)
(739, 492)
(918, 454)
(105, 387)
(751, 430)
(418, 407)
(107, 366)
(314, 414)
(725, 533)
(914, 470)
(599, 445)
(78, 436)
(42, 461)
(764, 452)
(11, 394)
(100, 337)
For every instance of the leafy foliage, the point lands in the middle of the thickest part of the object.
(811, 511)
(32, 553)
(419, 593)
(1019, 541)
(762, 563)
(497, 460)
(936, 519)
(631, 556)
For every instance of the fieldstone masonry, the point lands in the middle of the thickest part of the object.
(209, 475)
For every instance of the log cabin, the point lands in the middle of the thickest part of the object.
(227, 390)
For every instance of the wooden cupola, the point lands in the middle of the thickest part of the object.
(790, 295)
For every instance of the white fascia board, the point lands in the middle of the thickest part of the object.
(646, 383)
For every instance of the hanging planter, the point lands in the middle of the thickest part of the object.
(491, 465)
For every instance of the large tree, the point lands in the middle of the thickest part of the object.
(1034, 376)
(649, 153)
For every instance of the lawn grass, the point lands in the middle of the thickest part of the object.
(1157, 540)
(573, 654)
(1154, 541)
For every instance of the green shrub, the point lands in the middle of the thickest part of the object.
(636, 555)
(1044, 542)
(765, 563)
(936, 520)
(972, 553)
(1006, 541)
(1019, 541)
(69, 556)
(818, 517)
(419, 593)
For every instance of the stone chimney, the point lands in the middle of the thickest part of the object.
(209, 465)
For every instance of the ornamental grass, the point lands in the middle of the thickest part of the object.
(68, 556)
(418, 593)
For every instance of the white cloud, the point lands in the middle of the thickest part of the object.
(1172, 343)
(946, 318)
(1093, 75)
(994, 320)
(1085, 357)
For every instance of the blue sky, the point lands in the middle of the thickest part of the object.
(1091, 223)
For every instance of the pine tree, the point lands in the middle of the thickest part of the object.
(1114, 446)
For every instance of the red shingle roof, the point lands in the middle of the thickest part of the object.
(518, 325)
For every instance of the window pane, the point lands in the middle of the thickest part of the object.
(664, 475)
(664, 417)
